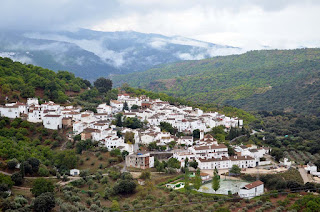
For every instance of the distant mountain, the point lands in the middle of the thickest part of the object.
(91, 54)
(286, 80)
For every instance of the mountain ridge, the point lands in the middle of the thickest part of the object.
(91, 54)
(233, 79)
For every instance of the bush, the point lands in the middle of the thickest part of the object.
(43, 171)
(232, 207)
(17, 178)
(20, 200)
(12, 163)
(44, 202)
(41, 185)
(124, 187)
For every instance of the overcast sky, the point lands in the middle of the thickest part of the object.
(249, 24)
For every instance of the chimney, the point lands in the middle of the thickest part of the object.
(201, 134)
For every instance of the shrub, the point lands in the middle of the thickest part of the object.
(43, 171)
(17, 178)
(244, 209)
(232, 207)
(21, 200)
(44, 202)
(172, 195)
(41, 185)
(12, 163)
(104, 180)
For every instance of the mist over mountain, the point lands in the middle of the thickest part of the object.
(91, 54)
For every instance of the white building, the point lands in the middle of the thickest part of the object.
(186, 140)
(252, 190)
(10, 111)
(311, 168)
(74, 172)
(226, 162)
(32, 101)
(116, 106)
(53, 122)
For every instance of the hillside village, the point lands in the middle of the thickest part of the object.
(208, 153)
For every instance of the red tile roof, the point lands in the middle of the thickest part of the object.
(254, 184)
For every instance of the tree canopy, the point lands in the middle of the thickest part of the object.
(103, 85)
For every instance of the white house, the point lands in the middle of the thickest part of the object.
(104, 108)
(204, 176)
(53, 122)
(32, 101)
(10, 111)
(35, 115)
(186, 140)
(311, 168)
(252, 190)
(116, 105)
(286, 162)
(74, 172)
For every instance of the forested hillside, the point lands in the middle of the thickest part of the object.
(19, 81)
(255, 80)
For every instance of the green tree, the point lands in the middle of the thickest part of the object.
(134, 107)
(235, 169)
(215, 181)
(6, 180)
(103, 85)
(125, 106)
(44, 202)
(12, 163)
(196, 133)
(165, 126)
(193, 164)
(17, 178)
(115, 206)
(187, 181)
(35, 164)
(159, 167)
(146, 175)
(83, 145)
(197, 180)
(174, 163)
(124, 187)
(41, 186)
(129, 138)
(66, 158)
(119, 120)
(132, 123)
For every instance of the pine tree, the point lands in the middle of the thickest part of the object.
(215, 181)
(125, 106)
(197, 180)
(187, 181)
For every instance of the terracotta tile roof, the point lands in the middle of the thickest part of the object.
(56, 116)
(203, 174)
(186, 137)
(235, 158)
(219, 146)
(254, 184)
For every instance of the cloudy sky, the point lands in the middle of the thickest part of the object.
(249, 24)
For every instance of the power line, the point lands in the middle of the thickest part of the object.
(293, 190)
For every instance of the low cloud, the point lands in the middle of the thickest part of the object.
(96, 46)
(17, 57)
